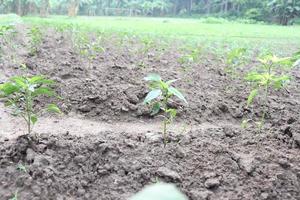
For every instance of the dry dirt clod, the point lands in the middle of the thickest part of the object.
(296, 137)
(168, 174)
(212, 183)
(30, 155)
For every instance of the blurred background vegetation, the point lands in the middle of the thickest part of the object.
(284, 12)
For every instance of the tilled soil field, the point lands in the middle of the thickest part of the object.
(209, 155)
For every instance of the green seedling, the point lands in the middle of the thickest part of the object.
(189, 58)
(36, 37)
(160, 94)
(20, 93)
(235, 59)
(21, 168)
(6, 30)
(269, 76)
(86, 48)
(61, 28)
(7, 33)
(15, 196)
(148, 44)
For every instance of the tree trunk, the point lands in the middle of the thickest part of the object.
(208, 7)
(226, 7)
(31, 7)
(190, 6)
(44, 11)
(73, 8)
(19, 7)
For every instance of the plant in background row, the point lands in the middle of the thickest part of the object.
(161, 93)
(20, 93)
(270, 75)
(190, 56)
(7, 33)
(235, 59)
(36, 37)
(87, 48)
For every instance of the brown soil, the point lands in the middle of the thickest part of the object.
(106, 146)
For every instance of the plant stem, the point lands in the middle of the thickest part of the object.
(262, 121)
(165, 132)
(165, 105)
(28, 110)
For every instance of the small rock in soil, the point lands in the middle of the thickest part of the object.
(247, 164)
(212, 183)
(30, 154)
(180, 152)
(296, 137)
(169, 174)
(80, 159)
(41, 161)
(36, 190)
(264, 195)
(284, 163)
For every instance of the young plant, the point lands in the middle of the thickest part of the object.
(21, 168)
(15, 196)
(7, 33)
(235, 59)
(20, 93)
(189, 58)
(86, 48)
(160, 95)
(148, 44)
(269, 76)
(36, 37)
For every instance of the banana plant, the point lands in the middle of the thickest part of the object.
(160, 94)
(20, 93)
(266, 78)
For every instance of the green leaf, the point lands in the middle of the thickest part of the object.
(178, 94)
(20, 81)
(40, 80)
(279, 82)
(33, 119)
(172, 112)
(155, 108)
(159, 191)
(254, 77)
(297, 63)
(153, 77)
(9, 88)
(43, 91)
(171, 81)
(53, 108)
(163, 85)
(251, 96)
(9, 103)
(152, 95)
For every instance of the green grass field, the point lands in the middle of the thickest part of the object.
(271, 37)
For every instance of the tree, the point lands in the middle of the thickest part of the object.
(285, 10)
(73, 7)
(44, 8)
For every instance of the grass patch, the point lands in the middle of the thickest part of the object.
(217, 36)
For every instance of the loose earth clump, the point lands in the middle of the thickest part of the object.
(214, 158)
(205, 164)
